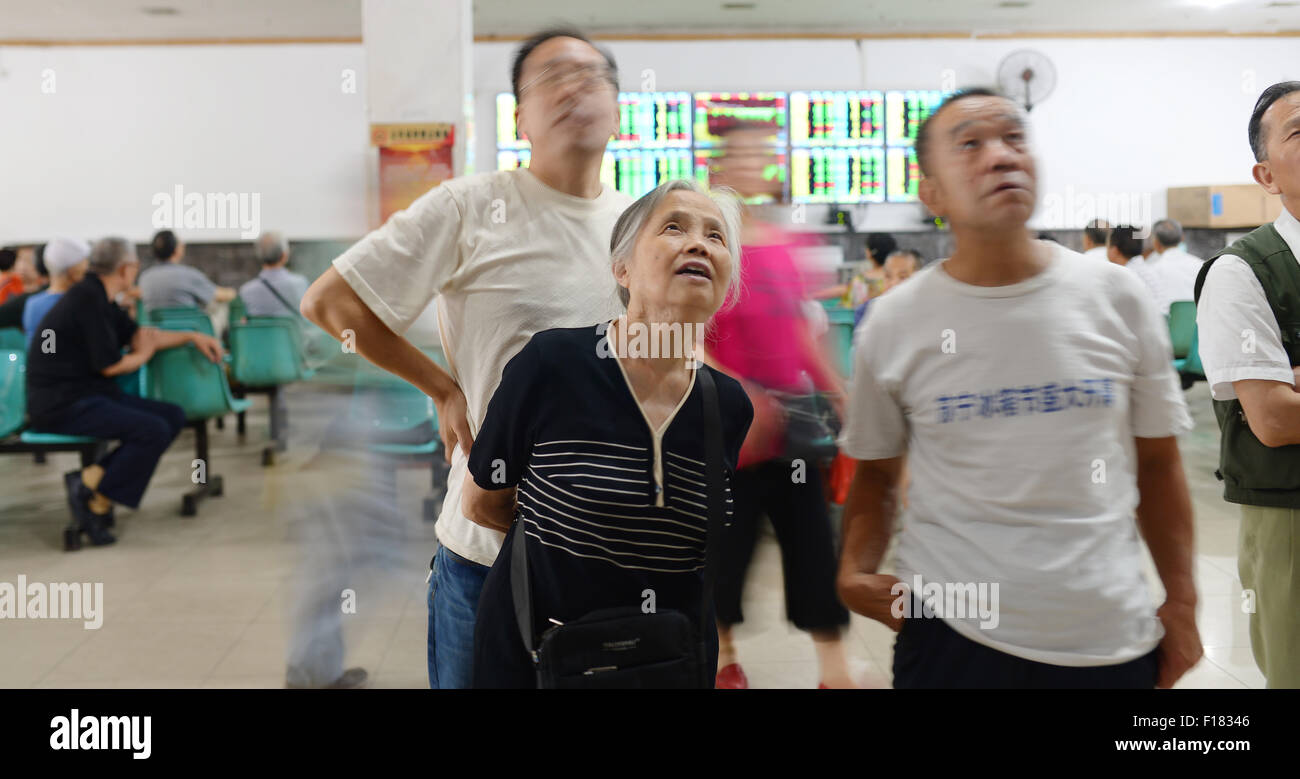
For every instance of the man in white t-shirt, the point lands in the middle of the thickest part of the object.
(511, 253)
(1095, 237)
(1034, 398)
(1250, 364)
(1174, 269)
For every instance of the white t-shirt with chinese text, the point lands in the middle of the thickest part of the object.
(1017, 407)
(509, 257)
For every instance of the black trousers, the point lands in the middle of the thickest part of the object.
(930, 655)
(145, 427)
(800, 517)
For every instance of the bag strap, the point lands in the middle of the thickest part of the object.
(521, 590)
(521, 587)
(717, 502)
(280, 297)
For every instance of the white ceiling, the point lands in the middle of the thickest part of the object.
(127, 20)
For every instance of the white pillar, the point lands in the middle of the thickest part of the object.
(419, 66)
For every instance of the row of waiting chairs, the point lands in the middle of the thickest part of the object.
(266, 353)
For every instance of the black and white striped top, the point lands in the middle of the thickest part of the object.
(604, 523)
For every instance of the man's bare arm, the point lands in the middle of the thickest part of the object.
(1272, 410)
(869, 512)
(1164, 517)
(335, 307)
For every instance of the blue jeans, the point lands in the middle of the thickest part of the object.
(453, 606)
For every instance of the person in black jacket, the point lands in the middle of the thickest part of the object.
(593, 443)
(72, 387)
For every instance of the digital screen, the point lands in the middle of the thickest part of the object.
(904, 112)
(709, 162)
(509, 159)
(507, 132)
(837, 175)
(653, 120)
(837, 119)
(716, 112)
(658, 120)
(637, 171)
(631, 171)
(819, 146)
(904, 175)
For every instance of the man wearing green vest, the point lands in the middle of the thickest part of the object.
(1248, 317)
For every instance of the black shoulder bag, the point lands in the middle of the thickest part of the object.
(623, 648)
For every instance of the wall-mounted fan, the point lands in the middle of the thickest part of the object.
(1027, 76)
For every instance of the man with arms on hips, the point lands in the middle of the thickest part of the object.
(510, 253)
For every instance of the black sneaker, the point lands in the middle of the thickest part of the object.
(94, 526)
(84, 494)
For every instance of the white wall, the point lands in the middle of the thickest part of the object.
(1128, 117)
(125, 123)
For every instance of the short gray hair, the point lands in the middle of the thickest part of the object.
(109, 254)
(270, 247)
(630, 222)
(1168, 232)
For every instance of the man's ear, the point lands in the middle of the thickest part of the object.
(930, 195)
(1264, 175)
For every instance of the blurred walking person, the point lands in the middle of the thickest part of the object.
(764, 340)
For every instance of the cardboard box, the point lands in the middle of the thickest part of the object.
(1233, 205)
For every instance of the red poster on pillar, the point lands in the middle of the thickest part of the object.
(411, 163)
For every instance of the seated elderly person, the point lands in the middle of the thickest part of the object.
(172, 284)
(276, 291)
(71, 388)
(65, 262)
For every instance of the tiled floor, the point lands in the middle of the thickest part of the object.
(207, 601)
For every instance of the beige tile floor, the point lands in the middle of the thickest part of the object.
(205, 601)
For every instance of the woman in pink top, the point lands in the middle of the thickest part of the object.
(764, 341)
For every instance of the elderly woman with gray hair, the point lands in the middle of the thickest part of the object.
(594, 444)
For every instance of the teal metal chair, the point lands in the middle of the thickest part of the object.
(180, 318)
(15, 439)
(266, 353)
(841, 336)
(1182, 327)
(400, 422)
(1189, 367)
(186, 377)
(12, 338)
